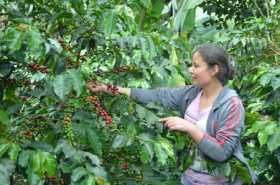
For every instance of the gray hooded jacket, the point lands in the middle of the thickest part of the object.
(224, 125)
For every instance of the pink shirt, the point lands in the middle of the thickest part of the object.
(196, 115)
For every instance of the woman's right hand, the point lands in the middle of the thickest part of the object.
(96, 87)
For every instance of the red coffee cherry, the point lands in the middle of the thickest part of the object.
(101, 111)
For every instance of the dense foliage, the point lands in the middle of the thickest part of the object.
(53, 131)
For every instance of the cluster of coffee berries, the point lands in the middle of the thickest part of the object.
(101, 111)
(121, 69)
(124, 165)
(36, 67)
(27, 133)
(67, 122)
(52, 180)
(9, 81)
(112, 89)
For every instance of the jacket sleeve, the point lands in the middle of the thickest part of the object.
(169, 97)
(227, 132)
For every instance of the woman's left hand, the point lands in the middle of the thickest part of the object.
(176, 123)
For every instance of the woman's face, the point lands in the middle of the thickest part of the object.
(200, 72)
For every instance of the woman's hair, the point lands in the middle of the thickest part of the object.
(215, 55)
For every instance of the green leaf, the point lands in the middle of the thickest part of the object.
(90, 180)
(77, 80)
(78, 5)
(168, 147)
(13, 38)
(189, 21)
(141, 111)
(264, 134)
(160, 153)
(78, 173)
(226, 169)
(35, 43)
(119, 141)
(62, 85)
(65, 147)
(43, 162)
(98, 172)
(50, 164)
(23, 158)
(109, 22)
(34, 179)
(7, 168)
(3, 149)
(146, 3)
(37, 77)
(182, 13)
(274, 140)
(14, 151)
(94, 141)
(94, 159)
(55, 45)
(146, 152)
(4, 117)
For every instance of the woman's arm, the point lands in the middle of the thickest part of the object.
(169, 97)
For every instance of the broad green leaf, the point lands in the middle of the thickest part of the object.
(146, 137)
(78, 173)
(35, 43)
(264, 134)
(147, 4)
(189, 21)
(168, 147)
(94, 141)
(90, 180)
(62, 85)
(34, 179)
(109, 22)
(181, 15)
(160, 153)
(274, 140)
(65, 147)
(119, 141)
(14, 151)
(50, 164)
(17, 41)
(141, 111)
(55, 45)
(226, 169)
(4, 117)
(275, 82)
(173, 57)
(3, 149)
(38, 77)
(7, 168)
(146, 152)
(43, 162)
(151, 118)
(77, 80)
(94, 159)
(23, 158)
(97, 171)
(78, 5)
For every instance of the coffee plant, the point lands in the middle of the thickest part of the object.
(53, 131)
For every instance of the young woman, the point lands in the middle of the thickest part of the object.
(211, 113)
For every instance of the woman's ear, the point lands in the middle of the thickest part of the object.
(215, 69)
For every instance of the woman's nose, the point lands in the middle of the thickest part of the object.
(190, 69)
